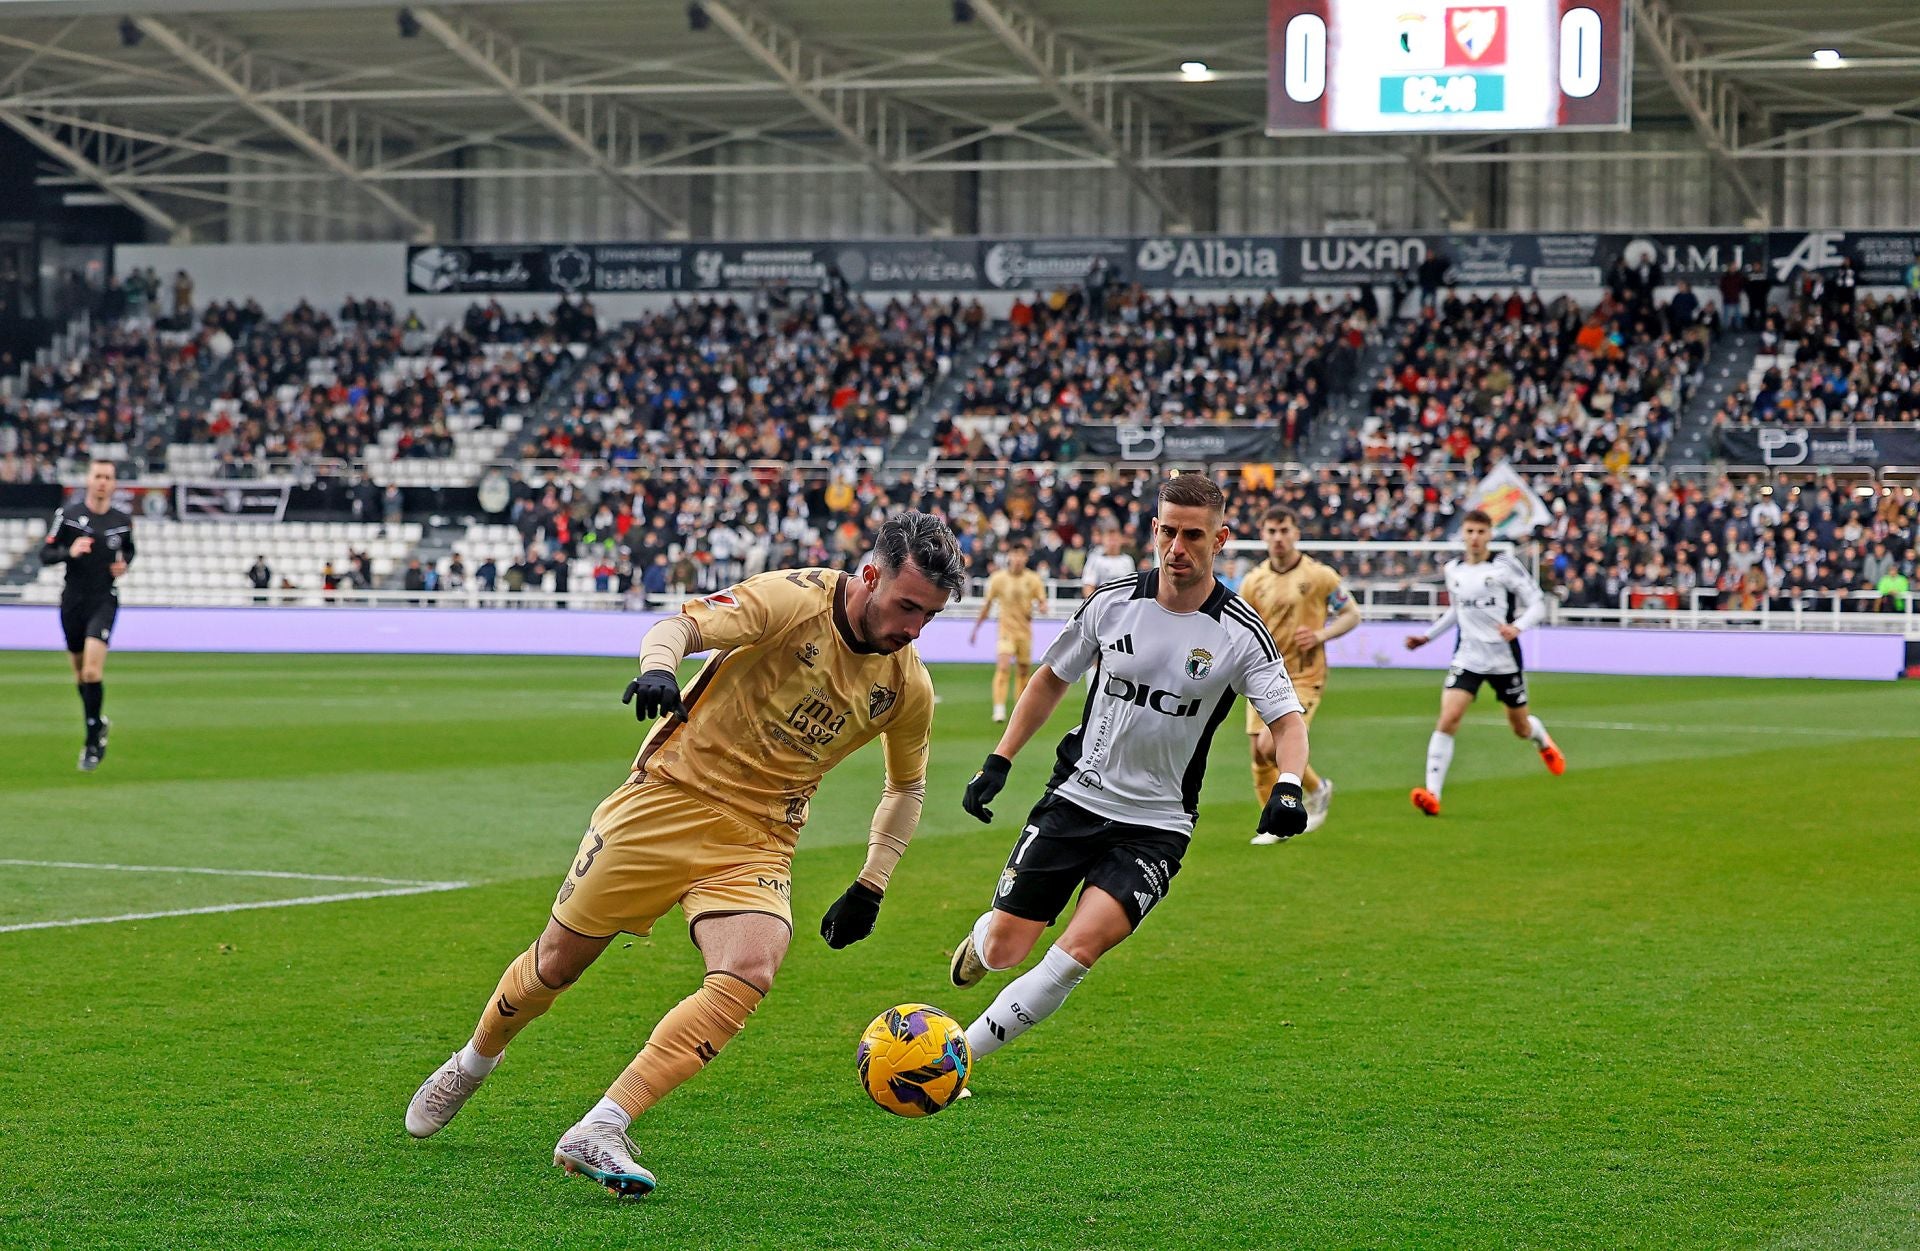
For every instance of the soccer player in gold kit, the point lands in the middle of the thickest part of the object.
(807, 666)
(1018, 591)
(1303, 604)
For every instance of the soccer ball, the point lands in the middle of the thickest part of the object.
(913, 1060)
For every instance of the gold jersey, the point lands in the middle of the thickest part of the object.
(789, 692)
(1017, 594)
(1305, 595)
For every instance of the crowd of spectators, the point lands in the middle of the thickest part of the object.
(1480, 377)
(1127, 355)
(1613, 541)
(813, 379)
(1828, 361)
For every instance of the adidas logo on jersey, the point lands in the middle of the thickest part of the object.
(1123, 645)
(1143, 900)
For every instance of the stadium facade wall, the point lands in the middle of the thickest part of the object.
(1860, 176)
(1375, 645)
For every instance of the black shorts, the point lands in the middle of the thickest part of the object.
(1509, 688)
(90, 618)
(1064, 845)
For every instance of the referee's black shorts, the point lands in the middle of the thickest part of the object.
(89, 618)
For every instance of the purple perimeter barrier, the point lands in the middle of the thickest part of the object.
(534, 632)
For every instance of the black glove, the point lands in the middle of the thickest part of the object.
(851, 917)
(654, 693)
(987, 783)
(1284, 814)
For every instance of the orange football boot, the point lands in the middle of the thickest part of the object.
(1556, 763)
(1426, 801)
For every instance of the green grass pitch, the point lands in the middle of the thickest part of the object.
(1669, 1000)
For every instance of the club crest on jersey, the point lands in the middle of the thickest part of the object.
(1199, 663)
(1006, 881)
(720, 599)
(879, 699)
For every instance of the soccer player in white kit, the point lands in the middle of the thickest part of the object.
(1492, 601)
(1108, 564)
(1165, 652)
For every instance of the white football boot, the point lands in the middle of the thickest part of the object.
(605, 1154)
(1317, 804)
(440, 1098)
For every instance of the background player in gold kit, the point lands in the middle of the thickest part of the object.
(807, 666)
(1303, 605)
(1019, 591)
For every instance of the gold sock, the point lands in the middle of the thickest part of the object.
(1000, 677)
(1309, 781)
(690, 1034)
(520, 997)
(1265, 778)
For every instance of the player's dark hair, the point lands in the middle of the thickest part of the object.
(1280, 512)
(1020, 545)
(1193, 490)
(1477, 515)
(925, 542)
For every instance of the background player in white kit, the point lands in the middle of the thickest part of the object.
(1167, 650)
(1106, 564)
(1492, 601)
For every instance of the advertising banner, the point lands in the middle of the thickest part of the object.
(230, 501)
(1485, 259)
(1123, 441)
(1821, 446)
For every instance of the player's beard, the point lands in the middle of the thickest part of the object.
(886, 644)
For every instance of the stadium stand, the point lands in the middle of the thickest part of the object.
(1559, 385)
(1129, 356)
(1826, 364)
(207, 562)
(804, 393)
(816, 379)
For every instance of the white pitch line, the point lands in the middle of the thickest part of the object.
(1646, 727)
(1782, 731)
(174, 868)
(420, 888)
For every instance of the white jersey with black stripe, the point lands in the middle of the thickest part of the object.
(1159, 685)
(1482, 598)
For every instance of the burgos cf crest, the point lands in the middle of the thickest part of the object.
(1199, 663)
(879, 699)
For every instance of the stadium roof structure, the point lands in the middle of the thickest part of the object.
(175, 107)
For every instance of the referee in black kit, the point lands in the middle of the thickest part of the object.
(95, 542)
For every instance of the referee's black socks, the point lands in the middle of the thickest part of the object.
(92, 697)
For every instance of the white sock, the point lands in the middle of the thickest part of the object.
(1537, 731)
(607, 1112)
(1027, 1000)
(473, 1064)
(1439, 756)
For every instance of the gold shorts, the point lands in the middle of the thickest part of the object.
(652, 845)
(1016, 647)
(1309, 697)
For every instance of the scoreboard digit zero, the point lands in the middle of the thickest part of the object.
(1419, 66)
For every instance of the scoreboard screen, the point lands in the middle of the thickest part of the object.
(1419, 66)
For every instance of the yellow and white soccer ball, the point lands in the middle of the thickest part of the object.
(914, 1060)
